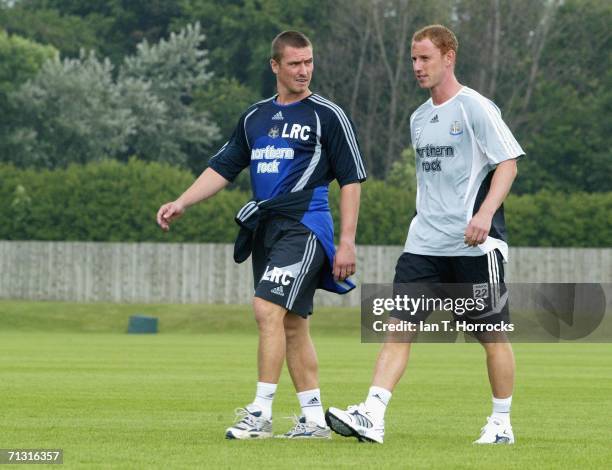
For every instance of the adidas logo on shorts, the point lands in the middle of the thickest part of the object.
(278, 116)
(278, 291)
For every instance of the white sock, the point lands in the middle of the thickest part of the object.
(312, 407)
(501, 409)
(377, 401)
(264, 397)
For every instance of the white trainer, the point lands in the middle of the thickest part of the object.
(249, 424)
(303, 429)
(495, 432)
(355, 421)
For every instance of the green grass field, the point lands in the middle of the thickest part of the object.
(71, 378)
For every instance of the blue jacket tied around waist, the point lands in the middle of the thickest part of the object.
(309, 207)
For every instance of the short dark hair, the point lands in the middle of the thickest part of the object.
(442, 37)
(288, 38)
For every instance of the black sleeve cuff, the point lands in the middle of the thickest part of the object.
(344, 182)
(222, 171)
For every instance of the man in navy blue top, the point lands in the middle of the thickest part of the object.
(294, 144)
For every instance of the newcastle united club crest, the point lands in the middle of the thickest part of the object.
(455, 128)
(274, 132)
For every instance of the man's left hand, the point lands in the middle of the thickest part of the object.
(477, 230)
(344, 261)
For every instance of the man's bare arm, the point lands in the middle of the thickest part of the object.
(478, 228)
(345, 259)
(207, 185)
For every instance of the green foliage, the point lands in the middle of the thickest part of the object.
(384, 213)
(546, 64)
(71, 112)
(20, 60)
(568, 150)
(113, 201)
(112, 28)
(76, 111)
(67, 33)
(566, 135)
(403, 171)
(560, 219)
(240, 33)
(175, 67)
(225, 99)
(173, 70)
(110, 201)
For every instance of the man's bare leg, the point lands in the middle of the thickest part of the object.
(255, 420)
(301, 355)
(303, 367)
(366, 421)
(390, 365)
(270, 352)
(500, 366)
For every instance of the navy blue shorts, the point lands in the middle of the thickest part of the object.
(287, 264)
(476, 277)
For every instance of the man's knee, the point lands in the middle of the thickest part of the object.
(267, 314)
(496, 346)
(295, 326)
(399, 348)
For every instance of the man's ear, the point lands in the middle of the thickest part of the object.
(449, 58)
(274, 66)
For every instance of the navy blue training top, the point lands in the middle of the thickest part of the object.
(302, 145)
(297, 147)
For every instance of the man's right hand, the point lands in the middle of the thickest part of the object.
(168, 213)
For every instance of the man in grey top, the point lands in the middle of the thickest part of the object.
(466, 163)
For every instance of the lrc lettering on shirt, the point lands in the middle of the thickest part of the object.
(297, 131)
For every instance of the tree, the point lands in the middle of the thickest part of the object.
(545, 63)
(225, 99)
(403, 171)
(240, 32)
(565, 125)
(67, 33)
(173, 71)
(20, 60)
(238, 38)
(569, 145)
(75, 111)
(365, 67)
(510, 37)
(70, 112)
(113, 28)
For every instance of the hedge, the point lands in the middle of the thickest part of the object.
(113, 201)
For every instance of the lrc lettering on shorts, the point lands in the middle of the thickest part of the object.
(278, 276)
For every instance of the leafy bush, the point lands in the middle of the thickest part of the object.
(109, 201)
(114, 201)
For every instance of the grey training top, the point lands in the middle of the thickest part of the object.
(458, 144)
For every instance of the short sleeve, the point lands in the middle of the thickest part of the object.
(234, 156)
(340, 139)
(492, 134)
